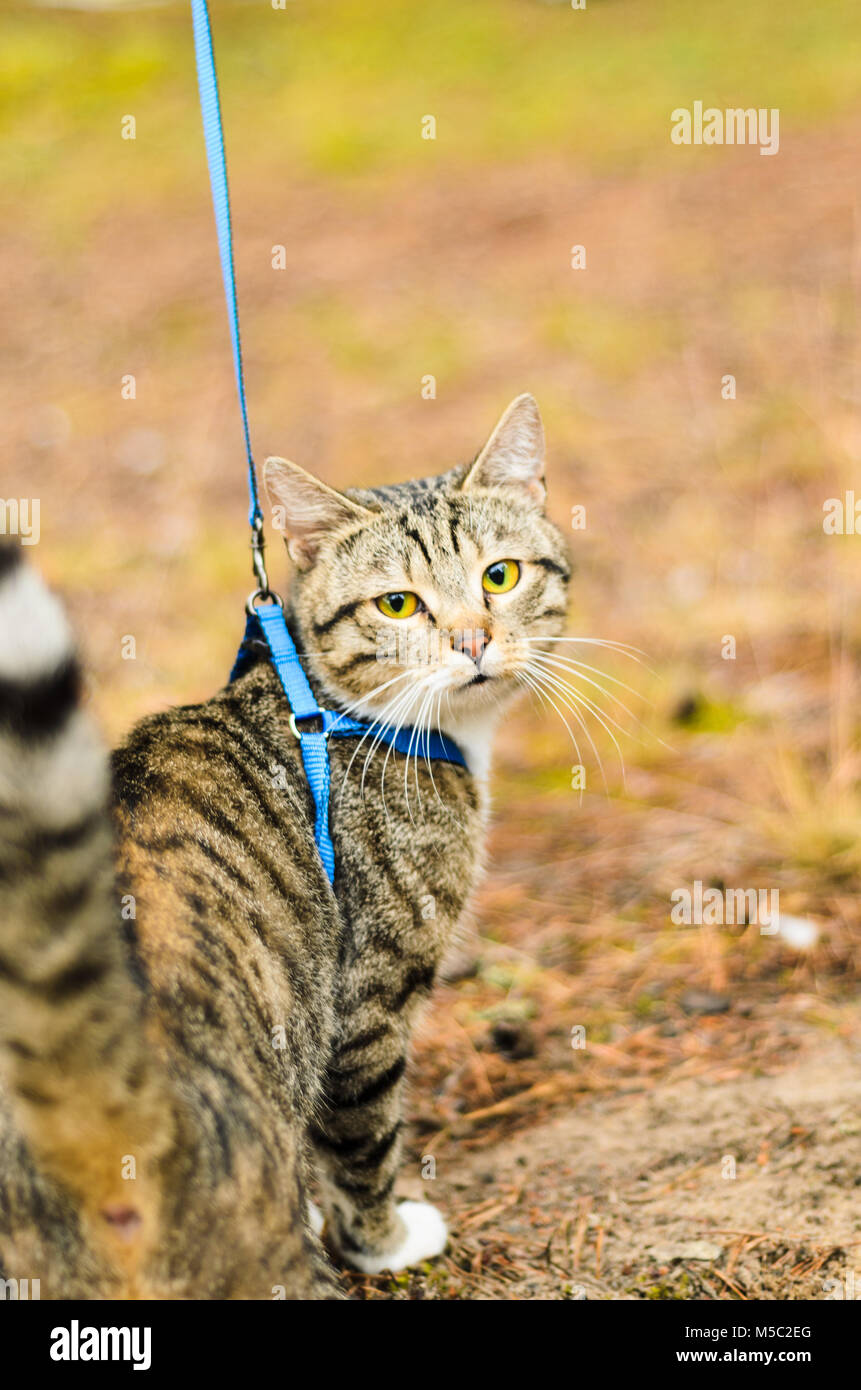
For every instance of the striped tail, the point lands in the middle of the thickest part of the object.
(73, 1053)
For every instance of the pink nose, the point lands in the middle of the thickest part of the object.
(471, 641)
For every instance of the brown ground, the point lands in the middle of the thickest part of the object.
(633, 1195)
(561, 1168)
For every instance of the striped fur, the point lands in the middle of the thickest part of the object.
(179, 985)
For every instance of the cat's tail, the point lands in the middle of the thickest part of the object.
(73, 1052)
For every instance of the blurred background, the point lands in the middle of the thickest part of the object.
(370, 258)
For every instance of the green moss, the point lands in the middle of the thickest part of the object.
(644, 1005)
(671, 1288)
(704, 716)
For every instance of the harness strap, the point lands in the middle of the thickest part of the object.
(299, 694)
(300, 697)
(268, 623)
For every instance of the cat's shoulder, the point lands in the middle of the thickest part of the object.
(235, 734)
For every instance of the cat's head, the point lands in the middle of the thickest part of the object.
(419, 603)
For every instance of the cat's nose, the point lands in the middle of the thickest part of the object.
(471, 641)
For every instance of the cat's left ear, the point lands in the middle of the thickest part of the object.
(514, 454)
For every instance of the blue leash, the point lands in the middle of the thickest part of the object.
(266, 620)
(210, 108)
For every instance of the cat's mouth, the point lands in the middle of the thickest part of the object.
(478, 679)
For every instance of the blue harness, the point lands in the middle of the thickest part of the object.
(265, 620)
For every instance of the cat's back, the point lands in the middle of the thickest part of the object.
(222, 890)
(211, 800)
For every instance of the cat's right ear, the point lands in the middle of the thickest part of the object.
(306, 510)
(513, 457)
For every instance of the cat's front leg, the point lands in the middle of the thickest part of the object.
(358, 1143)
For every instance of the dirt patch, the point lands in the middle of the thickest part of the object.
(748, 1189)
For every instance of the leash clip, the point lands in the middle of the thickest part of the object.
(258, 545)
(263, 591)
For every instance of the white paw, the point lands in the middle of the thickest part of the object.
(426, 1237)
(316, 1219)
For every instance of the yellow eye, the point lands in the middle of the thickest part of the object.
(398, 605)
(501, 576)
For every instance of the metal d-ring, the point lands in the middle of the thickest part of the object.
(297, 732)
(261, 594)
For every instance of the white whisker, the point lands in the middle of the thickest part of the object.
(623, 648)
(402, 714)
(415, 734)
(567, 694)
(549, 661)
(590, 704)
(426, 712)
(532, 680)
(381, 723)
(569, 661)
(393, 714)
(378, 722)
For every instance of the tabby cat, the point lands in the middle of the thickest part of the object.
(192, 1021)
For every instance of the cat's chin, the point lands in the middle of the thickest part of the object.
(485, 690)
(472, 715)
(479, 703)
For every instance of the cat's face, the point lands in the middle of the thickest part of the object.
(421, 603)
